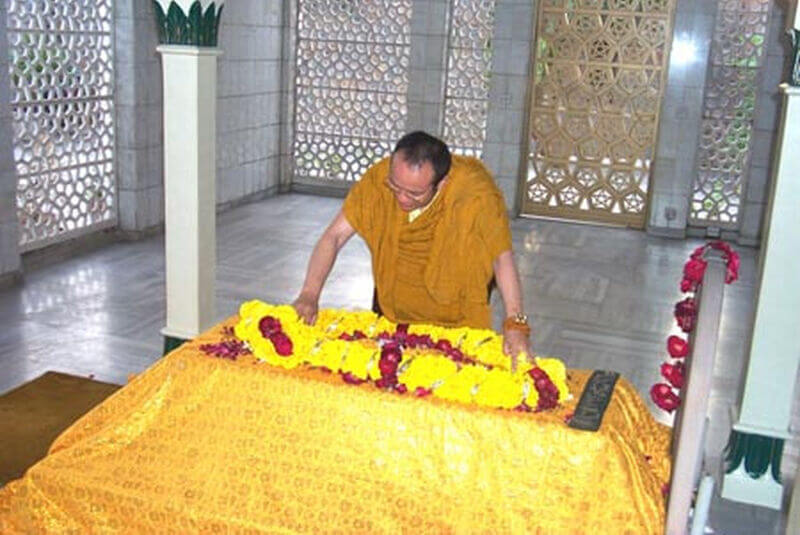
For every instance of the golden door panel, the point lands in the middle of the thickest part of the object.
(599, 69)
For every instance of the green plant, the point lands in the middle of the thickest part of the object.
(195, 28)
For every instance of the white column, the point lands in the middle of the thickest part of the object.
(755, 448)
(190, 99)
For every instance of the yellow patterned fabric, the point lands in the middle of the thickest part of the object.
(202, 444)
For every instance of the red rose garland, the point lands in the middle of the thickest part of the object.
(666, 395)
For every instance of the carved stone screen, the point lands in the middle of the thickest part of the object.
(598, 78)
(351, 84)
(62, 82)
(469, 56)
(737, 52)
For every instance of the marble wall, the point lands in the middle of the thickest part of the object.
(426, 74)
(140, 139)
(680, 119)
(286, 101)
(506, 128)
(767, 121)
(249, 100)
(9, 251)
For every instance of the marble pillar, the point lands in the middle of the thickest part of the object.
(188, 35)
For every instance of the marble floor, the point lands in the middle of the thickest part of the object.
(598, 297)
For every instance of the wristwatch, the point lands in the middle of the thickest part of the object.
(520, 318)
(517, 322)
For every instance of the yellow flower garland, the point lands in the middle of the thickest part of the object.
(484, 378)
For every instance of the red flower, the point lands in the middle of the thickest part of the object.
(677, 347)
(664, 397)
(392, 352)
(686, 314)
(391, 355)
(537, 373)
(400, 388)
(694, 270)
(548, 393)
(425, 340)
(227, 349)
(357, 335)
(269, 325)
(387, 381)
(421, 392)
(387, 367)
(455, 355)
(732, 272)
(419, 340)
(282, 343)
(688, 285)
(674, 373)
(349, 378)
(443, 345)
(385, 336)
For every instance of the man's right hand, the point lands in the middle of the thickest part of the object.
(307, 308)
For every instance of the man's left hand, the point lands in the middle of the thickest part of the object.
(514, 343)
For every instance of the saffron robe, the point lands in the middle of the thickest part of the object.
(437, 268)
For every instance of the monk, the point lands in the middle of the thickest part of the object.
(437, 229)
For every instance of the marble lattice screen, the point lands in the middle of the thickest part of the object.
(738, 52)
(351, 83)
(62, 105)
(353, 71)
(468, 75)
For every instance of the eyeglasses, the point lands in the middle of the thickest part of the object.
(414, 195)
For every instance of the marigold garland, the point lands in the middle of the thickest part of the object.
(464, 365)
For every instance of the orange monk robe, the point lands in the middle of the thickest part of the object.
(437, 268)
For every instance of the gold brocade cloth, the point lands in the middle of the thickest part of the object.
(202, 444)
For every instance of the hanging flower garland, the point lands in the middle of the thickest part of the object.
(462, 364)
(667, 395)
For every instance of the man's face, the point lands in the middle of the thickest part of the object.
(412, 185)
